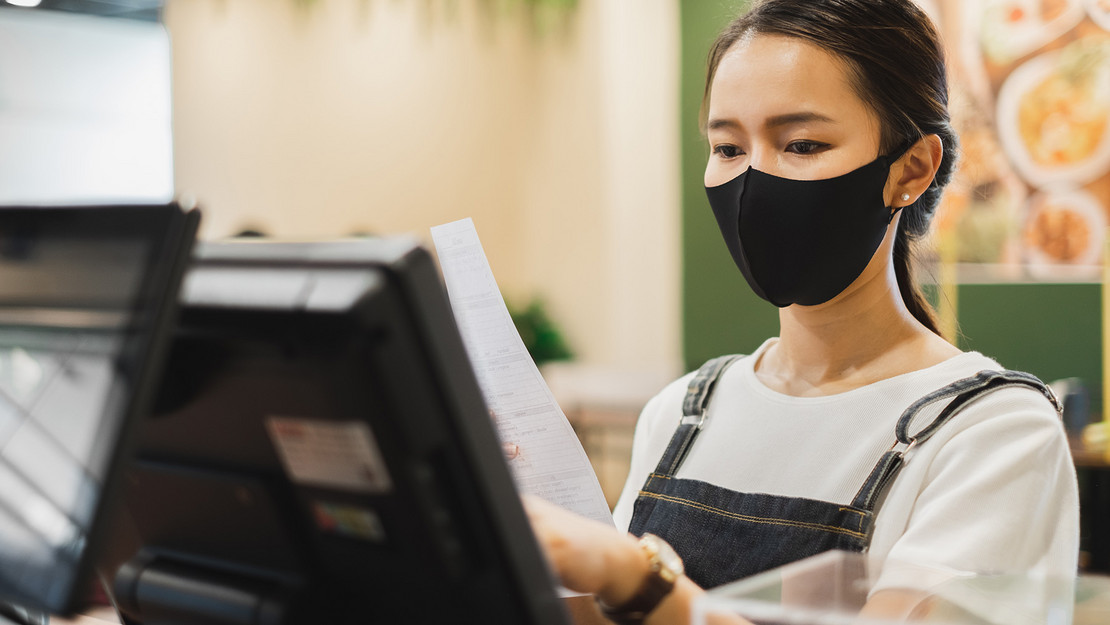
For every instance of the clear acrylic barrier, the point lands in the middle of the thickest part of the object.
(837, 588)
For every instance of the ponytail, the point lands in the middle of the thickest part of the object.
(911, 292)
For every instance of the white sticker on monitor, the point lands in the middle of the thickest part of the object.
(330, 454)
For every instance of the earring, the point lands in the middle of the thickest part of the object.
(905, 197)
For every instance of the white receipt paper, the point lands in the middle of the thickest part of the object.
(551, 462)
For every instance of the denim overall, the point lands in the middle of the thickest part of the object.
(723, 535)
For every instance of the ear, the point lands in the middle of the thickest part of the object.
(913, 173)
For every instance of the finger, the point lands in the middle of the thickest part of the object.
(511, 450)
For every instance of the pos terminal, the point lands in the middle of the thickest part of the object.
(319, 452)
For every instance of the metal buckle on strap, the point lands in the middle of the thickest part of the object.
(696, 420)
(913, 443)
(1054, 399)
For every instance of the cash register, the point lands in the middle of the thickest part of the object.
(318, 451)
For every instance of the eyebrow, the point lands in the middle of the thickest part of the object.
(776, 121)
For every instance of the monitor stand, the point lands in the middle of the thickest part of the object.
(165, 590)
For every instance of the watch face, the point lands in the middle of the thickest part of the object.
(666, 568)
(670, 563)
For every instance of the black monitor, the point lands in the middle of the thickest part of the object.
(86, 299)
(319, 452)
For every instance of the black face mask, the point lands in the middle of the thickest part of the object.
(803, 241)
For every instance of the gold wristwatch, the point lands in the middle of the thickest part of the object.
(665, 567)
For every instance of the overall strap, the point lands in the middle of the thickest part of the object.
(694, 407)
(962, 392)
(965, 391)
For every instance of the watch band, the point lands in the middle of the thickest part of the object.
(665, 567)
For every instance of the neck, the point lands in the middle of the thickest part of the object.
(843, 343)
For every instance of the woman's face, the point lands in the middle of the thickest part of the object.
(786, 107)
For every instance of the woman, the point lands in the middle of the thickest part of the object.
(859, 427)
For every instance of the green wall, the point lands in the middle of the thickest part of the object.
(720, 313)
(1051, 330)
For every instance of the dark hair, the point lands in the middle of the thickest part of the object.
(896, 61)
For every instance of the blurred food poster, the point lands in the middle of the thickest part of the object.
(1030, 97)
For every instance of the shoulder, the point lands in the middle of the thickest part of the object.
(1032, 398)
(999, 425)
(1002, 456)
(666, 405)
(1001, 400)
(1004, 425)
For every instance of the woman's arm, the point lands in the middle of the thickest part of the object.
(608, 564)
(602, 561)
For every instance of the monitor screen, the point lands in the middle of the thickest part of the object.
(85, 294)
(319, 452)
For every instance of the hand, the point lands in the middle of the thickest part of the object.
(511, 450)
(588, 556)
(596, 558)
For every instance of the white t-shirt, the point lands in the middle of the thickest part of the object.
(994, 490)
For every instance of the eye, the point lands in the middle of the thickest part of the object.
(806, 147)
(725, 150)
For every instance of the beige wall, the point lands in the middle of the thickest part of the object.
(345, 116)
